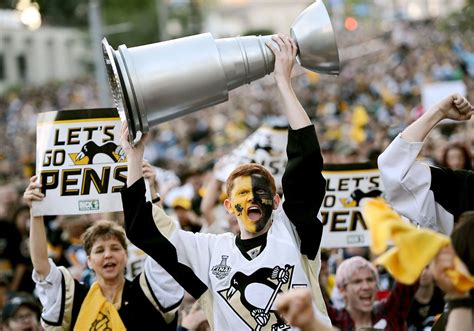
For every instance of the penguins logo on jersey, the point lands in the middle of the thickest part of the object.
(252, 297)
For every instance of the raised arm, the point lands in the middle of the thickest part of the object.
(209, 200)
(414, 189)
(38, 242)
(149, 228)
(212, 192)
(453, 107)
(149, 173)
(284, 61)
(134, 155)
(460, 310)
(303, 183)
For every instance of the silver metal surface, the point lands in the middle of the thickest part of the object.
(313, 32)
(155, 83)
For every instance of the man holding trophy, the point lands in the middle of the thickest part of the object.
(237, 278)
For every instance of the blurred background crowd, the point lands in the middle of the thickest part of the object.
(386, 62)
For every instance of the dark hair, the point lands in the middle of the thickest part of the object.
(103, 229)
(249, 169)
(462, 241)
(465, 153)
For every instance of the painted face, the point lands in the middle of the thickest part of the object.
(252, 202)
(108, 258)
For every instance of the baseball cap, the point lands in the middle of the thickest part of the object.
(18, 300)
(182, 202)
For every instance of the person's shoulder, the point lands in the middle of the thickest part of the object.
(467, 174)
(457, 174)
(220, 240)
(226, 236)
(133, 287)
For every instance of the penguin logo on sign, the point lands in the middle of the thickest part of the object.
(90, 150)
(357, 196)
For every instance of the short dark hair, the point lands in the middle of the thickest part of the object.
(249, 169)
(103, 229)
(464, 151)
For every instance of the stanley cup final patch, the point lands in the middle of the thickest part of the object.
(221, 270)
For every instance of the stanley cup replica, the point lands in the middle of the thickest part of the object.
(155, 83)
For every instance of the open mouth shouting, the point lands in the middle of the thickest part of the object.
(366, 299)
(254, 213)
(251, 200)
(256, 216)
(109, 266)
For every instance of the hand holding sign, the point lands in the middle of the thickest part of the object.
(32, 192)
(134, 154)
(79, 162)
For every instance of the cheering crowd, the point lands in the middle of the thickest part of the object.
(372, 109)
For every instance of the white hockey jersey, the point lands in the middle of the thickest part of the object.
(238, 292)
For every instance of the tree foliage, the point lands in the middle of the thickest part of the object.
(141, 16)
(72, 13)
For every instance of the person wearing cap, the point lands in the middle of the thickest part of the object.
(237, 277)
(21, 312)
(186, 217)
(112, 301)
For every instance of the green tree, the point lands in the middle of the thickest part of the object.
(141, 16)
(71, 13)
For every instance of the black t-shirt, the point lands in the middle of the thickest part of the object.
(421, 315)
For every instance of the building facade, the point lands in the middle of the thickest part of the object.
(40, 56)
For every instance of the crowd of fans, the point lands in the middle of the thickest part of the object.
(356, 115)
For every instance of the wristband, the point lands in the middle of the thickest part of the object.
(157, 199)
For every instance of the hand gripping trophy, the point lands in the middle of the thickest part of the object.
(157, 82)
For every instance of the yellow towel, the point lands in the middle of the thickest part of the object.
(460, 276)
(413, 248)
(97, 313)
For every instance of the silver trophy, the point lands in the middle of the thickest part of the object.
(157, 82)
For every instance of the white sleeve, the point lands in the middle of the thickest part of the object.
(49, 292)
(192, 249)
(407, 185)
(166, 290)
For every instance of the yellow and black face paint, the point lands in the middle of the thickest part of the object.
(252, 202)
